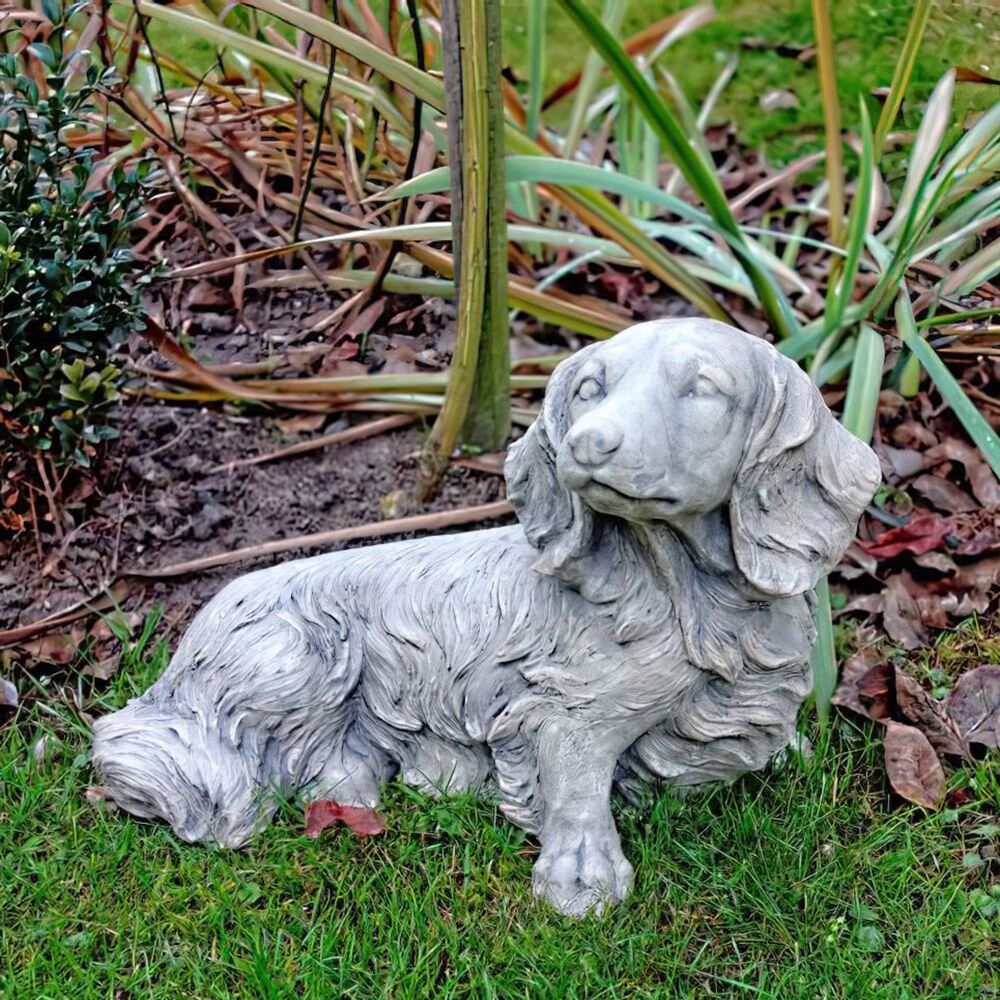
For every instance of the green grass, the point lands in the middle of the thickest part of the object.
(803, 883)
(868, 34)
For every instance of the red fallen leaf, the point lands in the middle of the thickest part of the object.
(974, 704)
(919, 535)
(913, 767)
(325, 812)
(876, 693)
(859, 673)
(958, 797)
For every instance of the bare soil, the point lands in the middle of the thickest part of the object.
(163, 503)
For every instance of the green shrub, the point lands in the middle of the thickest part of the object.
(69, 293)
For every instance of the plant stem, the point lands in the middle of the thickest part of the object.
(825, 60)
(487, 423)
(478, 394)
(317, 147)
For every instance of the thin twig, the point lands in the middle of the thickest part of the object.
(357, 433)
(321, 539)
(50, 497)
(375, 288)
(103, 599)
(320, 118)
(159, 74)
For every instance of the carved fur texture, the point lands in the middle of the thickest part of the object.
(649, 619)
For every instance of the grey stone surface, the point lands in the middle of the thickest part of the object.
(649, 620)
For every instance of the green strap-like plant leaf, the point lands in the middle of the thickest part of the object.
(824, 654)
(864, 384)
(953, 394)
(683, 149)
(840, 291)
(904, 70)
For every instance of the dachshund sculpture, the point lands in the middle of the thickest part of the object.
(649, 619)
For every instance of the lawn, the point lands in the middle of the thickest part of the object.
(806, 882)
(868, 33)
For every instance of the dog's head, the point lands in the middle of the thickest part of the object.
(675, 419)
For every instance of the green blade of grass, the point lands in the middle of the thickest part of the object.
(864, 384)
(824, 654)
(611, 16)
(972, 272)
(945, 319)
(675, 140)
(536, 65)
(952, 393)
(857, 228)
(565, 173)
(923, 153)
(901, 76)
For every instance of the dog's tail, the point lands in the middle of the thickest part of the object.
(161, 766)
(250, 706)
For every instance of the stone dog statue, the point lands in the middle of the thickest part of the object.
(649, 619)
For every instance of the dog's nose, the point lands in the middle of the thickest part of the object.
(594, 444)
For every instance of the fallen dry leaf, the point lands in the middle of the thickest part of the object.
(944, 494)
(876, 692)
(984, 484)
(974, 704)
(53, 648)
(920, 534)
(901, 615)
(980, 533)
(103, 669)
(325, 812)
(913, 767)
(935, 608)
(937, 561)
(855, 671)
(100, 795)
(913, 434)
(930, 716)
(966, 74)
(900, 463)
(302, 423)
(778, 100)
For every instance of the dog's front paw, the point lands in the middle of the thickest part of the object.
(582, 872)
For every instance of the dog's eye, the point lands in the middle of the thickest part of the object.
(588, 389)
(701, 385)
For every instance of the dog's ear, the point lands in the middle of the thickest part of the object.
(554, 518)
(801, 488)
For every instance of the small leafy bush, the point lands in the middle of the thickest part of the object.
(68, 289)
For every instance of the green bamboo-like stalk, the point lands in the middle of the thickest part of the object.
(475, 387)
(487, 422)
